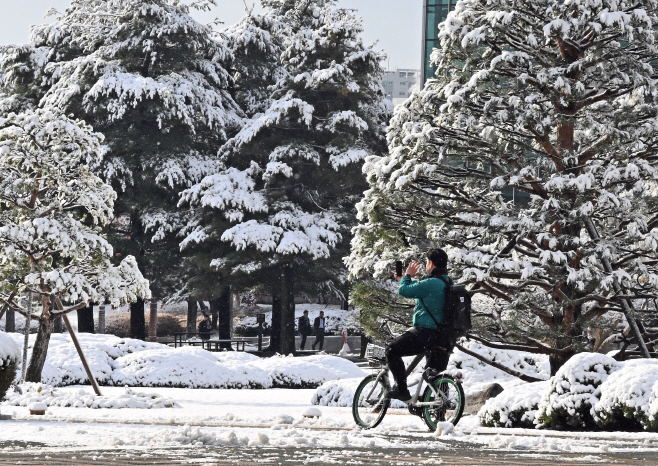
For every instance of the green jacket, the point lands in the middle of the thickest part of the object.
(433, 293)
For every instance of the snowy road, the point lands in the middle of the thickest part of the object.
(222, 427)
(409, 451)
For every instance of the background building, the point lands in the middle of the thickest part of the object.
(399, 83)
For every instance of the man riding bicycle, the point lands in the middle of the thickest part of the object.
(427, 331)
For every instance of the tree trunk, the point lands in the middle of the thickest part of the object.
(58, 325)
(288, 310)
(153, 320)
(556, 361)
(224, 317)
(40, 349)
(191, 317)
(86, 319)
(345, 303)
(10, 320)
(275, 334)
(137, 320)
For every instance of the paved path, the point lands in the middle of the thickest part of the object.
(458, 453)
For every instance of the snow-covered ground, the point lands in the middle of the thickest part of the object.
(274, 418)
(142, 418)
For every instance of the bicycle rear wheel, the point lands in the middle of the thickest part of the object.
(370, 402)
(449, 406)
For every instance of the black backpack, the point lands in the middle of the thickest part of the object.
(457, 309)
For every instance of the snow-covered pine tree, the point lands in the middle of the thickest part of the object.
(255, 67)
(154, 82)
(52, 208)
(291, 176)
(556, 100)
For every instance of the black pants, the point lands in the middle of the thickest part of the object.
(415, 341)
(319, 338)
(303, 342)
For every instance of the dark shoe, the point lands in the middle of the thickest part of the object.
(400, 394)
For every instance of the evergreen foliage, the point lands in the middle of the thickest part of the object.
(280, 208)
(154, 82)
(52, 209)
(554, 103)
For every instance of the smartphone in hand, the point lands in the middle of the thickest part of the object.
(398, 268)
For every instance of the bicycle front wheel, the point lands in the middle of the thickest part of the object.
(448, 406)
(370, 402)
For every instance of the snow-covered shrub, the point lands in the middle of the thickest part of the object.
(119, 324)
(186, 367)
(9, 357)
(515, 407)
(341, 393)
(629, 398)
(307, 372)
(336, 392)
(63, 365)
(574, 390)
(168, 324)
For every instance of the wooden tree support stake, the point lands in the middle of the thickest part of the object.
(626, 304)
(90, 374)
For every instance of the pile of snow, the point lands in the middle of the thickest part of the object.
(190, 436)
(124, 361)
(9, 350)
(47, 395)
(444, 428)
(514, 407)
(629, 398)
(574, 390)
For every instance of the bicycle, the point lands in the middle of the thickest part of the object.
(442, 400)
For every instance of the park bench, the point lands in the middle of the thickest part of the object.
(213, 344)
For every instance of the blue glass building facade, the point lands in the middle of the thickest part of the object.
(434, 12)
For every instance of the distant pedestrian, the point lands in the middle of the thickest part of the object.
(205, 327)
(304, 328)
(318, 324)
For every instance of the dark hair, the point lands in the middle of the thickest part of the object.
(440, 260)
(305, 312)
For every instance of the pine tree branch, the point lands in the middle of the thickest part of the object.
(524, 377)
(505, 346)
